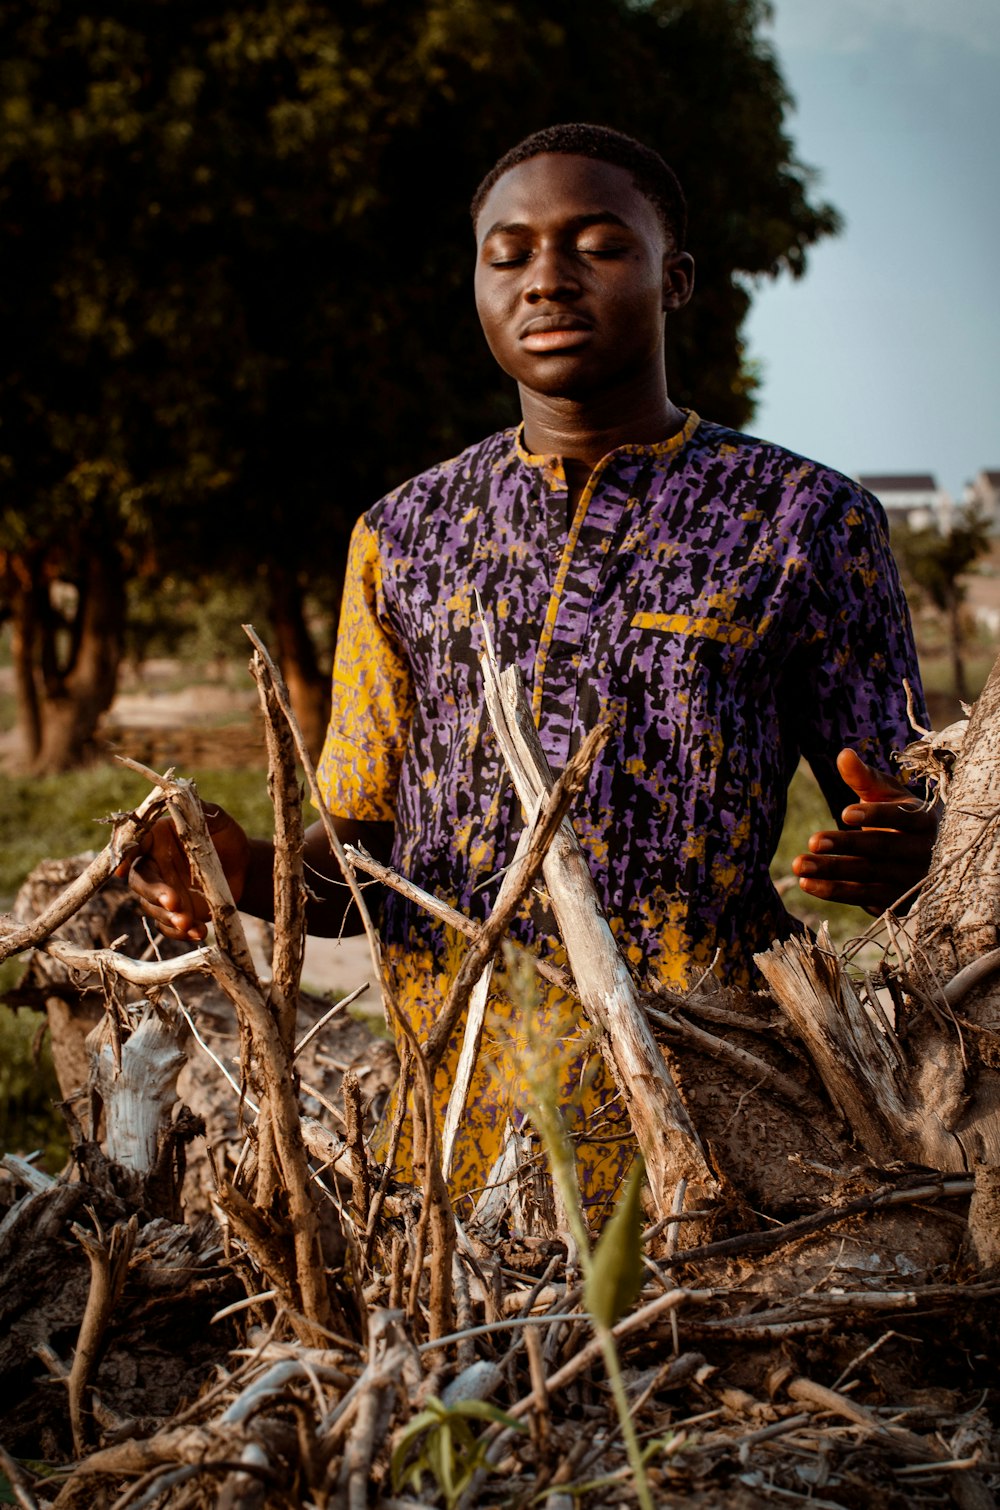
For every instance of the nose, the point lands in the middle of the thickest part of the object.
(553, 276)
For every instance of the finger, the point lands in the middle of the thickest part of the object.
(173, 910)
(873, 899)
(882, 844)
(868, 781)
(910, 816)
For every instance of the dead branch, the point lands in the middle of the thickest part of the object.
(472, 980)
(109, 1261)
(361, 860)
(662, 1126)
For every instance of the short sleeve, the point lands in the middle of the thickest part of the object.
(372, 701)
(858, 652)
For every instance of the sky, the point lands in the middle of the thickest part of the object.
(885, 357)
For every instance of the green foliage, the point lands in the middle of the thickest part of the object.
(196, 622)
(440, 1441)
(614, 1277)
(237, 305)
(28, 1085)
(934, 563)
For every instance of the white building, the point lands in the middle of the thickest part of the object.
(911, 498)
(983, 494)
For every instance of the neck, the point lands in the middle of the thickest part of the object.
(585, 430)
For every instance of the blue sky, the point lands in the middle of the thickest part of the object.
(886, 356)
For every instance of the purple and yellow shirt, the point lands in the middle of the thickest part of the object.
(731, 605)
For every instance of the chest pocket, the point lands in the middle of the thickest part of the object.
(699, 659)
(717, 631)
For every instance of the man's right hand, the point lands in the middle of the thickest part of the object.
(157, 871)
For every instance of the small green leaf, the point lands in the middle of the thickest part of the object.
(484, 1411)
(615, 1277)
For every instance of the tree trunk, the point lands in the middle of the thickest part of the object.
(954, 612)
(65, 657)
(955, 926)
(24, 630)
(308, 683)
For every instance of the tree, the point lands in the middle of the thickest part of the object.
(935, 564)
(238, 277)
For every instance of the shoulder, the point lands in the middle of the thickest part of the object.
(443, 487)
(787, 479)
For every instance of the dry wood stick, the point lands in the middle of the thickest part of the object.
(751, 1064)
(289, 883)
(360, 1181)
(235, 973)
(144, 973)
(470, 988)
(659, 1118)
(109, 1261)
(361, 860)
(15, 1478)
(517, 882)
(127, 829)
(333, 839)
(776, 1237)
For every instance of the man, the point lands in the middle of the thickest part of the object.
(730, 605)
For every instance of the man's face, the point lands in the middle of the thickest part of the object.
(573, 276)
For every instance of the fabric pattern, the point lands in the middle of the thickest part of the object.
(730, 605)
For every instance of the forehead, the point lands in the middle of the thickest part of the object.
(556, 187)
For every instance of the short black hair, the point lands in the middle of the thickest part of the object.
(651, 175)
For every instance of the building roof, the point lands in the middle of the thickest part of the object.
(900, 482)
(992, 477)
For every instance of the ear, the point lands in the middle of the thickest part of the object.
(678, 279)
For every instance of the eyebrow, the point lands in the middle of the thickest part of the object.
(578, 223)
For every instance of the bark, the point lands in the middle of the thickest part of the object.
(308, 682)
(65, 661)
(24, 632)
(954, 924)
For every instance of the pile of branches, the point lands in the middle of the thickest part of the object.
(328, 1337)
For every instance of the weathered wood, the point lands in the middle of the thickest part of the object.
(139, 1094)
(859, 1059)
(956, 919)
(954, 928)
(472, 982)
(662, 1127)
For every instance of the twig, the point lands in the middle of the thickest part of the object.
(289, 885)
(751, 1064)
(15, 1478)
(335, 1011)
(521, 877)
(776, 1237)
(333, 838)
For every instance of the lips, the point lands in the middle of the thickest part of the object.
(554, 332)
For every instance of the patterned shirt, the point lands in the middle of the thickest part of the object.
(730, 605)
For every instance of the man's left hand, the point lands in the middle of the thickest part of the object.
(884, 851)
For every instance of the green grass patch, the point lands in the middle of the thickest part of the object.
(28, 1084)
